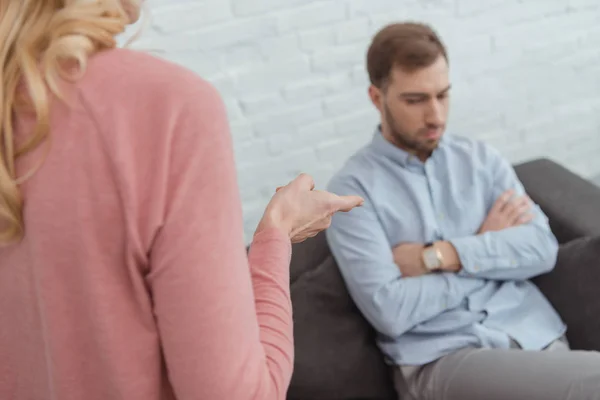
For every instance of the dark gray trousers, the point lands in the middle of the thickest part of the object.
(556, 373)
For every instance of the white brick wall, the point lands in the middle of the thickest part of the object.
(526, 77)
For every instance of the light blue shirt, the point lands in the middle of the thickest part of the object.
(419, 319)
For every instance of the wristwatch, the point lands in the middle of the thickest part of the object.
(432, 258)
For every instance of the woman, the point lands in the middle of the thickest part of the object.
(123, 273)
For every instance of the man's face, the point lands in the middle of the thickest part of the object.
(414, 107)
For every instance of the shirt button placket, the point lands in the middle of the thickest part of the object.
(431, 182)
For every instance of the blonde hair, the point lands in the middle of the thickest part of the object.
(39, 38)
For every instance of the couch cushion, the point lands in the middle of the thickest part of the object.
(336, 356)
(572, 288)
(308, 255)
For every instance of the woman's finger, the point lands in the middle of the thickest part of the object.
(304, 182)
(347, 203)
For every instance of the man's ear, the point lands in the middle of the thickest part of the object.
(376, 96)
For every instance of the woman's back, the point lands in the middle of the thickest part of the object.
(123, 268)
(121, 217)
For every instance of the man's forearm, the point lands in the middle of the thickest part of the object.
(517, 253)
(393, 299)
(399, 305)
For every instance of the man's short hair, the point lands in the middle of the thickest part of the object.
(408, 45)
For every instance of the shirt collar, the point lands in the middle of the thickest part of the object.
(382, 146)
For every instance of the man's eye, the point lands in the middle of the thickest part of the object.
(413, 101)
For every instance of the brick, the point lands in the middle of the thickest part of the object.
(230, 59)
(583, 112)
(338, 58)
(329, 151)
(311, 15)
(360, 77)
(232, 33)
(156, 42)
(346, 102)
(203, 66)
(224, 83)
(321, 129)
(312, 88)
(339, 81)
(234, 112)
(370, 7)
(583, 4)
(317, 39)
(439, 16)
(470, 8)
(238, 57)
(248, 152)
(285, 123)
(380, 20)
(582, 60)
(592, 35)
(279, 47)
(361, 122)
(252, 211)
(250, 192)
(304, 137)
(273, 75)
(322, 174)
(241, 130)
(516, 14)
(279, 170)
(532, 34)
(305, 90)
(183, 16)
(356, 30)
(244, 8)
(473, 47)
(475, 67)
(262, 104)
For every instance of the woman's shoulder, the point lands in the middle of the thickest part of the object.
(120, 73)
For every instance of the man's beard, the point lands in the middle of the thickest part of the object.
(405, 141)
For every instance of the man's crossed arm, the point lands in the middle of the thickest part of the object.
(392, 303)
(511, 244)
(514, 242)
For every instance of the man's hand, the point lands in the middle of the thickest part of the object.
(507, 212)
(409, 258)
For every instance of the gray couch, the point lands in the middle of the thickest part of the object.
(336, 357)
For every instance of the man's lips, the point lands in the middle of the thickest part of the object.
(432, 133)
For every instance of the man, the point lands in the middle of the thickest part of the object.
(440, 256)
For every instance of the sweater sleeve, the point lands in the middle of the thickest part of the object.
(224, 318)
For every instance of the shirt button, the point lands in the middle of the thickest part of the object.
(476, 268)
(441, 216)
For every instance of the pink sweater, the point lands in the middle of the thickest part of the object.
(132, 281)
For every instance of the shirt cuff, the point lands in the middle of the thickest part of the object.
(475, 257)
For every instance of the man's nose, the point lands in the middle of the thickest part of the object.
(435, 115)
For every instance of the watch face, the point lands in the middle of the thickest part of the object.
(430, 258)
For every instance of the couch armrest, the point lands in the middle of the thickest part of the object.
(571, 203)
(573, 289)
